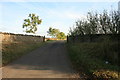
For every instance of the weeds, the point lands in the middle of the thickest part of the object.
(96, 59)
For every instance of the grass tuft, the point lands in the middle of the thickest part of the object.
(14, 50)
(95, 59)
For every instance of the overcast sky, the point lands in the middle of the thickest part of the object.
(60, 15)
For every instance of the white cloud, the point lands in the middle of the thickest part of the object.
(14, 0)
(69, 14)
(62, 26)
(0, 14)
(59, 0)
(73, 15)
(56, 17)
(63, 19)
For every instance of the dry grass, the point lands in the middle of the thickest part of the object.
(53, 39)
(92, 58)
(14, 50)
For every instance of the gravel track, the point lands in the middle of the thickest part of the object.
(48, 61)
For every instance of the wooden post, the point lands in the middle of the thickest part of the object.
(67, 38)
(43, 38)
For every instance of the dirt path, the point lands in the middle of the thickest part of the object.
(48, 61)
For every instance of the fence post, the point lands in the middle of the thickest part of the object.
(43, 38)
(67, 38)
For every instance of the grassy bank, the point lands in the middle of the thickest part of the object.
(12, 51)
(96, 60)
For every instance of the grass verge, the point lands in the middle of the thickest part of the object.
(96, 60)
(13, 51)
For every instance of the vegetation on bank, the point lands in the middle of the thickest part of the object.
(13, 51)
(96, 60)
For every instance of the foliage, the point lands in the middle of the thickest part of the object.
(31, 23)
(95, 23)
(61, 35)
(53, 32)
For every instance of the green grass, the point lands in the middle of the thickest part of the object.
(13, 51)
(91, 59)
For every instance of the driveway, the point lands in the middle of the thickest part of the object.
(48, 61)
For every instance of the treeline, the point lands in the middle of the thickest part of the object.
(55, 33)
(93, 45)
(103, 23)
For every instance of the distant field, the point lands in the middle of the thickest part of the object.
(51, 39)
(98, 60)
(12, 51)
